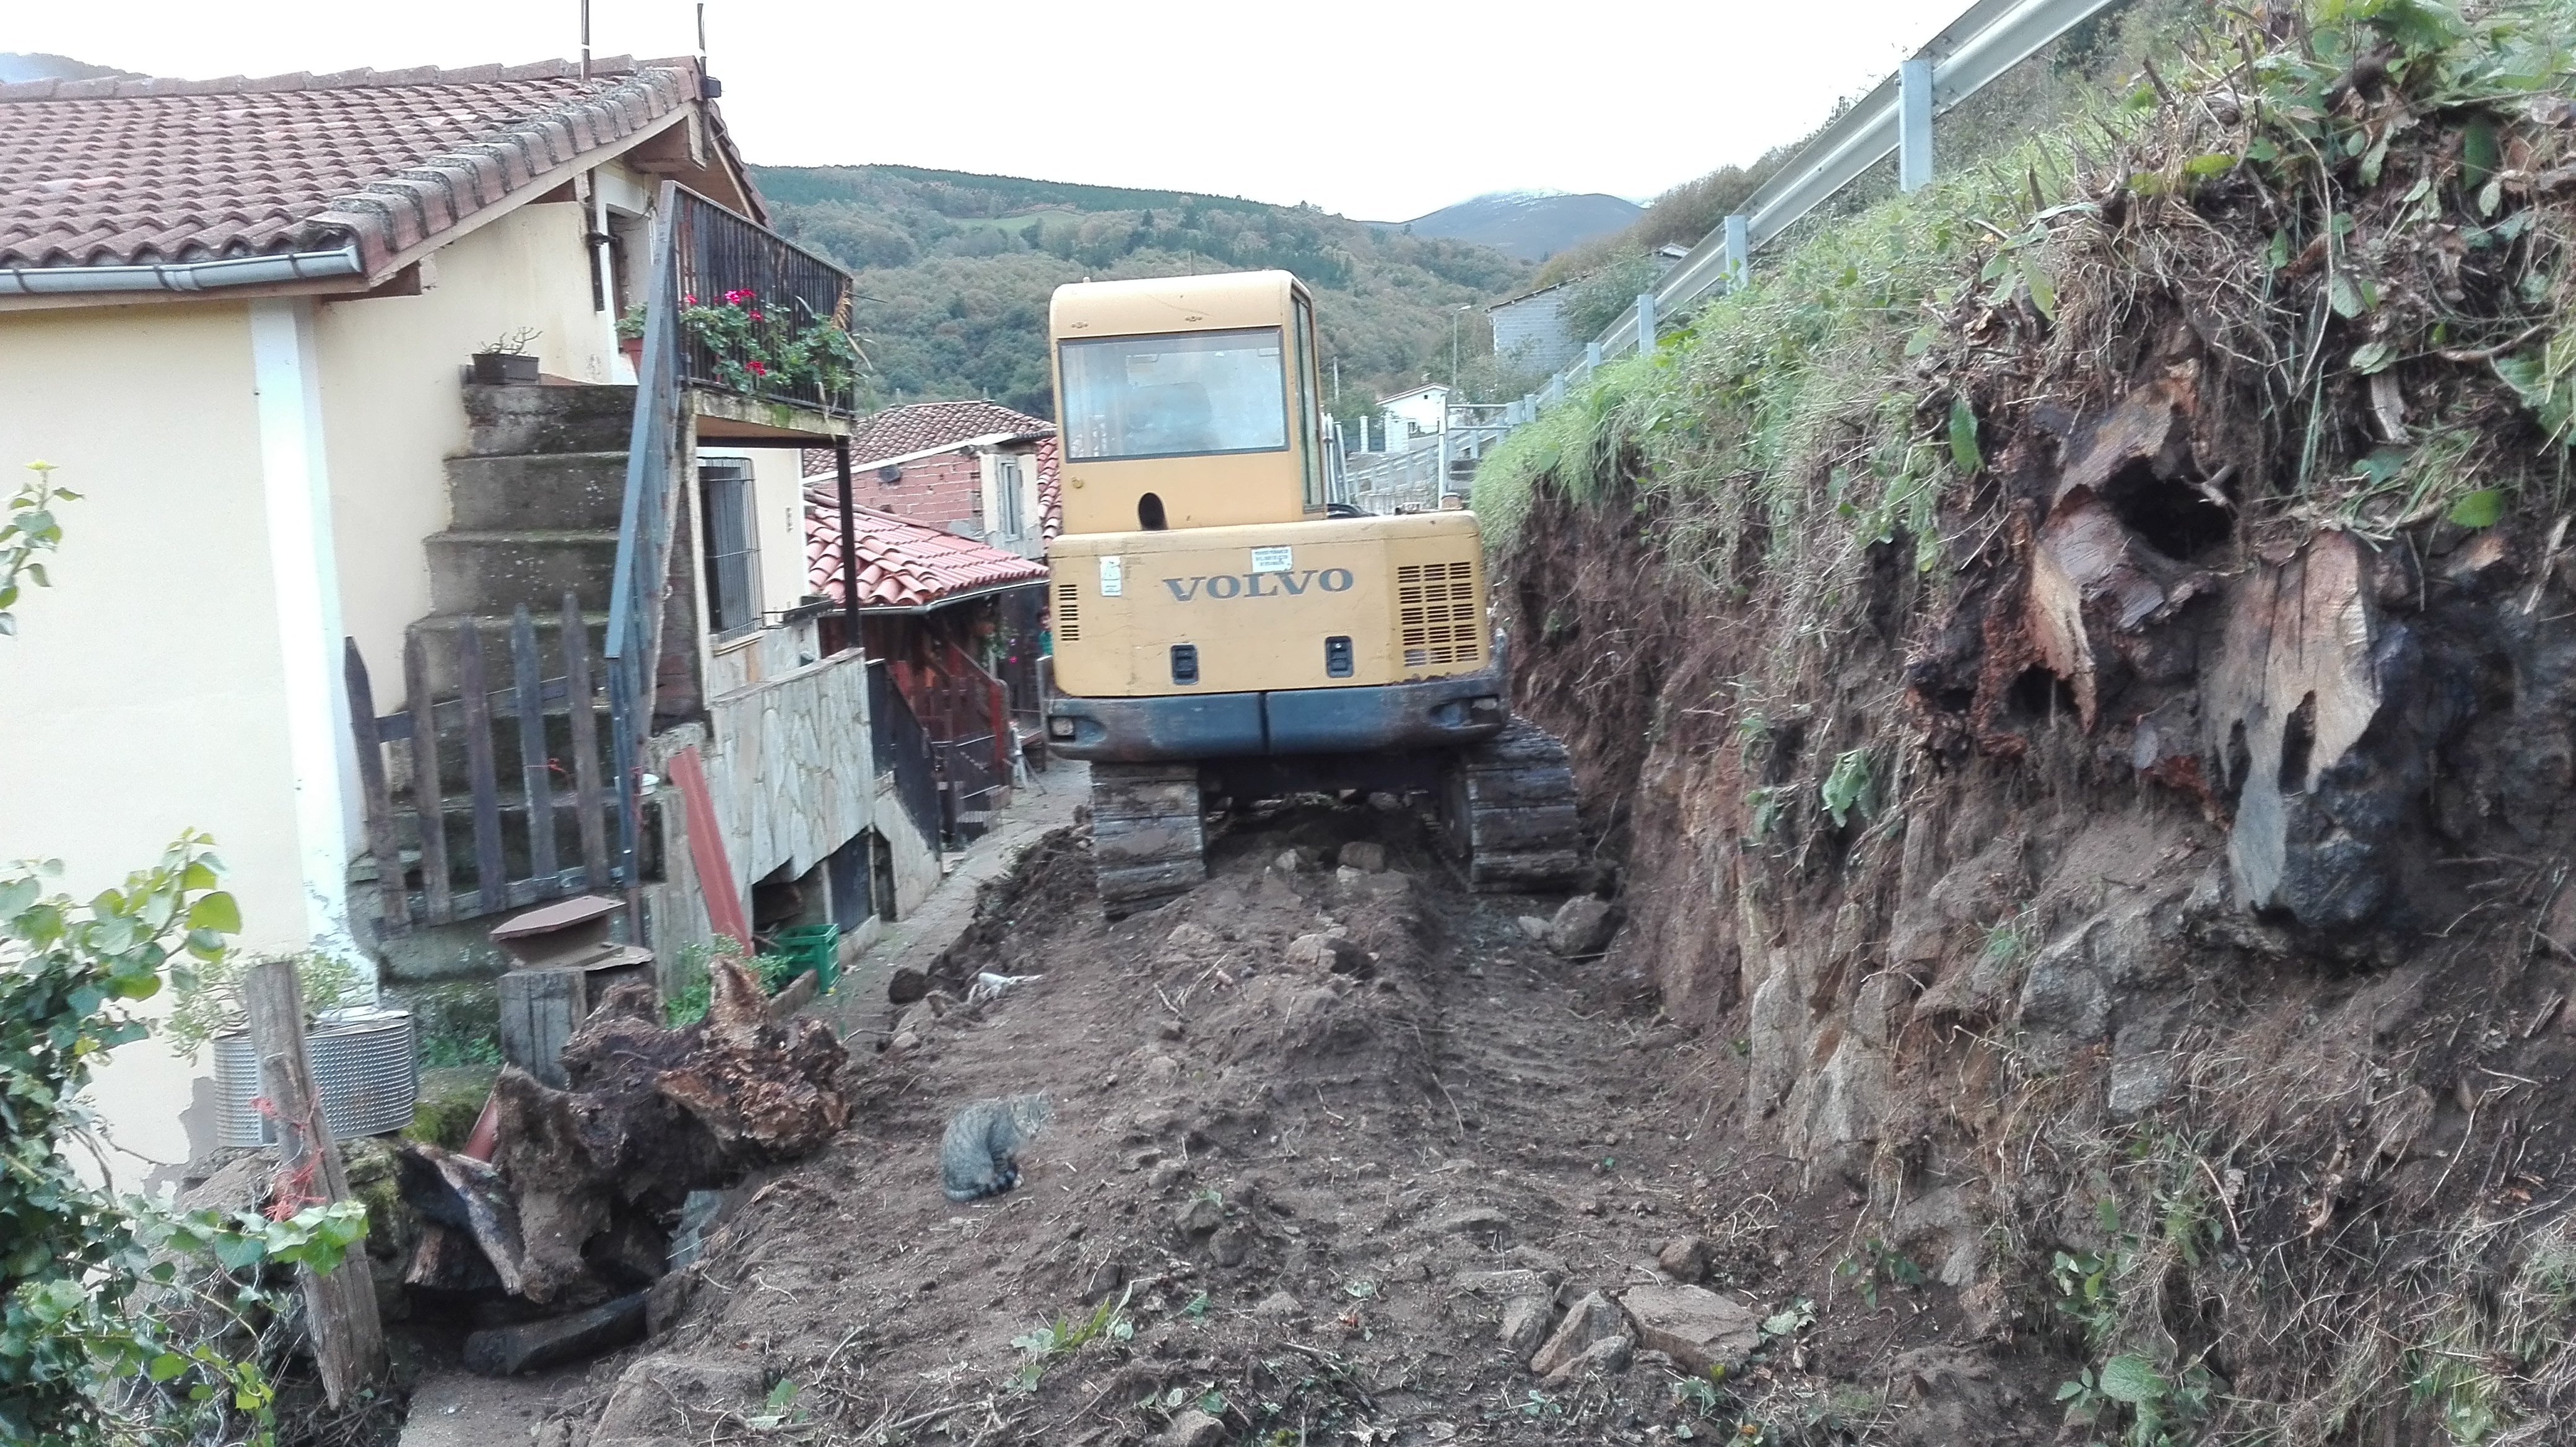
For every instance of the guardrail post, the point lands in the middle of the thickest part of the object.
(1739, 250)
(1592, 354)
(1914, 123)
(1645, 321)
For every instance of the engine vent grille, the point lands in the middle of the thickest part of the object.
(1068, 612)
(1436, 608)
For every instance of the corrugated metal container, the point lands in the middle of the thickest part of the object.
(366, 1064)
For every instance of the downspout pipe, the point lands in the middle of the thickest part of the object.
(183, 275)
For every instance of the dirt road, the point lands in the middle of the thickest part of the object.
(1335, 1151)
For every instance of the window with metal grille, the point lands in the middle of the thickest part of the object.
(1436, 609)
(1068, 612)
(732, 544)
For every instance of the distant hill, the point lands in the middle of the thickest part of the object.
(1532, 225)
(955, 270)
(16, 65)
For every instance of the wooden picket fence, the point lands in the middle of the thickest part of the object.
(407, 832)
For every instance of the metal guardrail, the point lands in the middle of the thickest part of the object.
(1988, 39)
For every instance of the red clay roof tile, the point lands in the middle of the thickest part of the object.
(918, 427)
(123, 172)
(905, 564)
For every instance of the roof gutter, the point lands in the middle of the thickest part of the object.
(184, 276)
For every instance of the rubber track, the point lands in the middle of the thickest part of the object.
(1148, 834)
(1512, 812)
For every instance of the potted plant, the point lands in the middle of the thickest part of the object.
(630, 335)
(507, 359)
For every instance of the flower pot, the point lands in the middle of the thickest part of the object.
(633, 347)
(366, 1067)
(496, 368)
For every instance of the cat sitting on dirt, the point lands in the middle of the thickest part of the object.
(979, 1156)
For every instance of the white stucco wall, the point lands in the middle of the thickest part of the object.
(393, 411)
(144, 687)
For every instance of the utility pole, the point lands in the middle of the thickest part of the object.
(1453, 344)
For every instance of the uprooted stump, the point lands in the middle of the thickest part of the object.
(571, 1212)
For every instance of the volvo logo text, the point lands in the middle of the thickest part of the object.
(1259, 585)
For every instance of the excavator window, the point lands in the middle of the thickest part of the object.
(1177, 395)
(1306, 409)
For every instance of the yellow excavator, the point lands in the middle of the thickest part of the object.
(1224, 629)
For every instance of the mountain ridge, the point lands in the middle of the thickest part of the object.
(1531, 225)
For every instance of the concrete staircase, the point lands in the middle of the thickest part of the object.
(532, 513)
(533, 508)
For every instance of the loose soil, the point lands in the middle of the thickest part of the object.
(1272, 1187)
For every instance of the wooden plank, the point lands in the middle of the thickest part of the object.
(587, 793)
(394, 913)
(437, 896)
(707, 847)
(539, 1011)
(534, 763)
(491, 867)
(340, 1308)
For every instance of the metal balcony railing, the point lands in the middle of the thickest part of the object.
(760, 315)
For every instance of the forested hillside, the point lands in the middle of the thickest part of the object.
(955, 271)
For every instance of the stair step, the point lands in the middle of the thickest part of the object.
(509, 420)
(438, 635)
(493, 571)
(539, 490)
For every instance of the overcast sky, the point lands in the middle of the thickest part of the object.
(1374, 110)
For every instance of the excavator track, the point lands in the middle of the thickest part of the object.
(1148, 833)
(1509, 808)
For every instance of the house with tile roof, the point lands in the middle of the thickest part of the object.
(958, 625)
(398, 569)
(978, 469)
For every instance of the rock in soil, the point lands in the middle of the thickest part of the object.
(1593, 1319)
(1366, 856)
(1693, 1325)
(1193, 1428)
(1583, 926)
(1525, 1320)
(1684, 1258)
(1606, 1357)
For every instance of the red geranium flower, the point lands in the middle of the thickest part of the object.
(758, 369)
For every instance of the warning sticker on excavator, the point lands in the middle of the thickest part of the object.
(1112, 579)
(1271, 560)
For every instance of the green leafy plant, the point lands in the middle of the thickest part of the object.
(108, 1333)
(1042, 1344)
(1878, 1264)
(26, 529)
(760, 346)
(1850, 785)
(206, 996)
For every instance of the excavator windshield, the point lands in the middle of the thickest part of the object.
(1180, 394)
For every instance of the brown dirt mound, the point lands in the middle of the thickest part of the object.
(1295, 1199)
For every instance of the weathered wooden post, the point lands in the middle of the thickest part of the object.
(348, 1339)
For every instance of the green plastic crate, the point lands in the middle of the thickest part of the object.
(815, 947)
